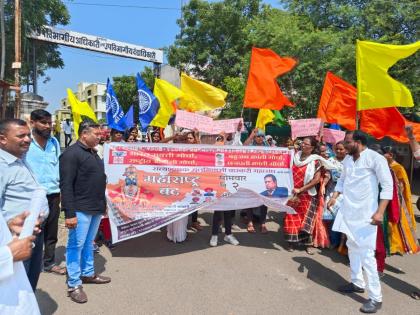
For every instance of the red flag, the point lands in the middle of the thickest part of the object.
(387, 122)
(262, 89)
(338, 102)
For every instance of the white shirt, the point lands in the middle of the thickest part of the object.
(359, 184)
(16, 295)
(67, 127)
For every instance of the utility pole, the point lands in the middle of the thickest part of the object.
(17, 64)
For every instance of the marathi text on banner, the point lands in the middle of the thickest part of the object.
(151, 185)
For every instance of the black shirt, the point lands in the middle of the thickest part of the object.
(82, 181)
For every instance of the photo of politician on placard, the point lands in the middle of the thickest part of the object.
(272, 190)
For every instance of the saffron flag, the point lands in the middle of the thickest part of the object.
(375, 87)
(387, 122)
(338, 102)
(80, 111)
(167, 94)
(262, 89)
(114, 112)
(129, 117)
(265, 116)
(200, 96)
(148, 103)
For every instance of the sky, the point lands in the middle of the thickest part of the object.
(149, 23)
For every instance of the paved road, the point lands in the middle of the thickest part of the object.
(153, 276)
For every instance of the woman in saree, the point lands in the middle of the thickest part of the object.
(402, 234)
(299, 227)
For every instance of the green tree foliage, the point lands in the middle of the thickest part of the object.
(383, 21)
(213, 44)
(35, 14)
(216, 40)
(126, 89)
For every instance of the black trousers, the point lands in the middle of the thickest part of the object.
(51, 230)
(263, 216)
(194, 216)
(33, 264)
(67, 139)
(227, 219)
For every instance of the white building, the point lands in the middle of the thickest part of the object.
(93, 94)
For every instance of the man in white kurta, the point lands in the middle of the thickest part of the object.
(363, 172)
(16, 295)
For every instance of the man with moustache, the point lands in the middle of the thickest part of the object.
(17, 182)
(42, 157)
(360, 213)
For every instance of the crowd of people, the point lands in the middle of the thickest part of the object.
(345, 196)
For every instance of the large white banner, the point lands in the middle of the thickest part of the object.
(152, 185)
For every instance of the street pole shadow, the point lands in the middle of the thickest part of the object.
(60, 258)
(324, 276)
(46, 304)
(399, 285)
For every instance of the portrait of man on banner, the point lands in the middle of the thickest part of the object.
(272, 190)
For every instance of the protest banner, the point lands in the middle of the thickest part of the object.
(305, 127)
(206, 124)
(332, 135)
(152, 185)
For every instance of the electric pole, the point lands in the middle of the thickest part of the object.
(18, 63)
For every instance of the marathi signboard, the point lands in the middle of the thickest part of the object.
(305, 127)
(152, 185)
(96, 43)
(206, 124)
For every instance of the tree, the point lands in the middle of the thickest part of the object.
(125, 87)
(317, 51)
(383, 21)
(35, 14)
(213, 44)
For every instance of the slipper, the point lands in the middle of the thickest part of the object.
(290, 248)
(57, 270)
(309, 251)
(264, 230)
(250, 229)
(415, 295)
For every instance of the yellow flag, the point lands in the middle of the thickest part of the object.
(166, 93)
(79, 109)
(375, 87)
(200, 96)
(265, 116)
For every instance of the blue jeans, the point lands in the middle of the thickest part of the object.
(80, 248)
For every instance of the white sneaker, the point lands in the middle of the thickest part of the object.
(213, 241)
(231, 239)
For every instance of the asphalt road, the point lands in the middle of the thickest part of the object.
(151, 275)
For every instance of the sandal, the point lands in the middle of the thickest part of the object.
(197, 226)
(309, 251)
(57, 270)
(250, 228)
(290, 248)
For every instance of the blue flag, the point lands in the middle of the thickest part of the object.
(129, 117)
(148, 103)
(114, 112)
